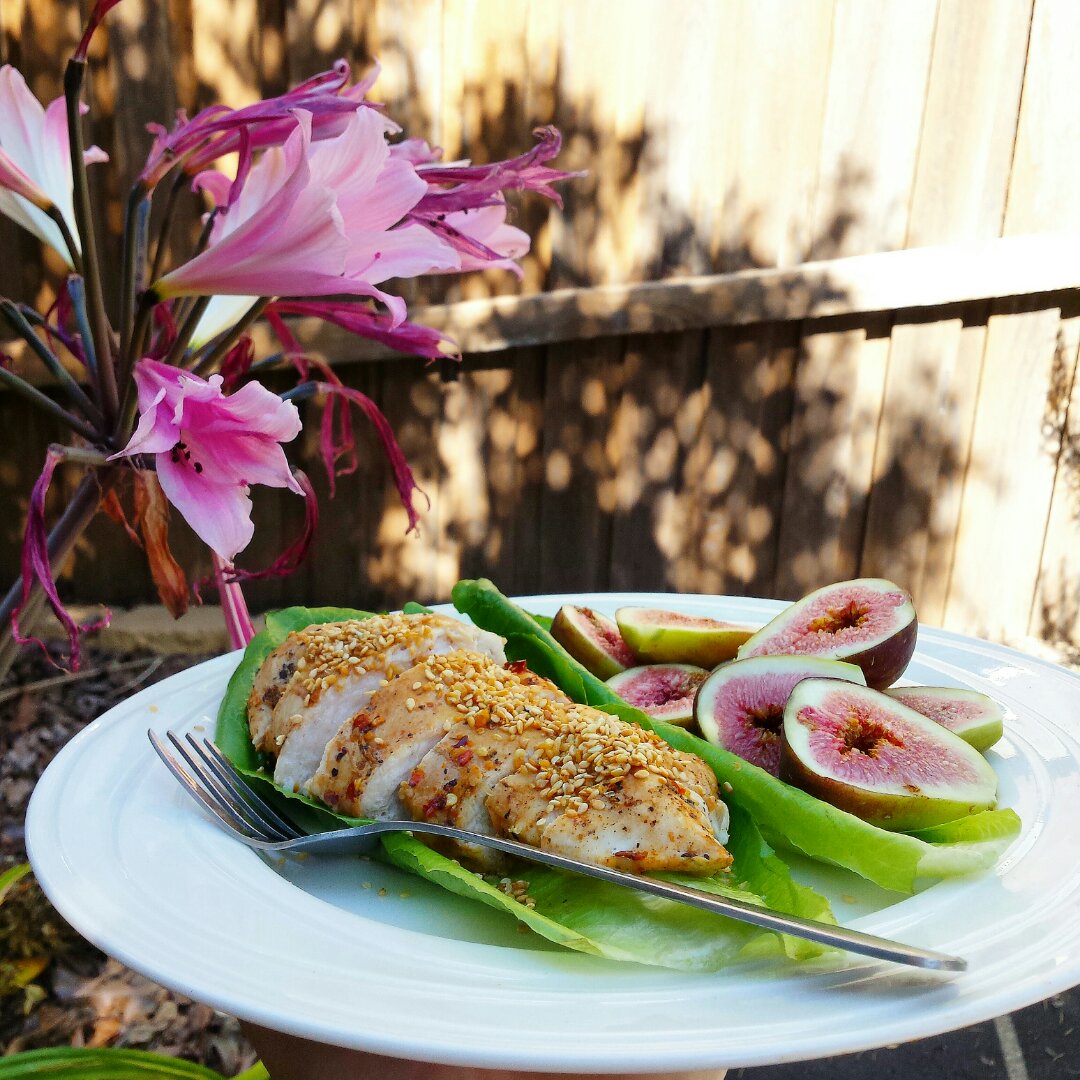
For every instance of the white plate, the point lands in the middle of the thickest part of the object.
(128, 859)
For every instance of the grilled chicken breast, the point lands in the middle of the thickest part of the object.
(464, 741)
(323, 676)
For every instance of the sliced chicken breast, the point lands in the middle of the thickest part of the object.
(338, 669)
(380, 751)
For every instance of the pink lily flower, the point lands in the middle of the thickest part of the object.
(35, 161)
(483, 239)
(316, 219)
(209, 448)
(218, 130)
(406, 337)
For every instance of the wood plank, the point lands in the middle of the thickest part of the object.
(839, 385)
(877, 86)
(923, 277)
(575, 519)
(930, 396)
(1055, 614)
(719, 528)
(645, 455)
(1014, 460)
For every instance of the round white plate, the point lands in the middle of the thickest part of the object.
(355, 954)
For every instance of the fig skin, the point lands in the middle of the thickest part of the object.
(668, 637)
(981, 727)
(678, 711)
(593, 640)
(887, 810)
(883, 660)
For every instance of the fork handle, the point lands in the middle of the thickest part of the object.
(852, 940)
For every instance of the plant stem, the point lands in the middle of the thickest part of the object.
(166, 224)
(46, 403)
(143, 316)
(233, 605)
(77, 293)
(72, 524)
(99, 322)
(134, 255)
(69, 240)
(212, 359)
(51, 361)
(187, 328)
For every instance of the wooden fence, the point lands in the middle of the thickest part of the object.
(725, 373)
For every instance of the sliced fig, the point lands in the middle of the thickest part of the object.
(868, 754)
(593, 640)
(870, 622)
(740, 706)
(668, 637)
(663, 691)
(978, 719)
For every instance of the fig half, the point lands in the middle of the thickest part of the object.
(740, 706)
(668, 637)
(978, 719)
(593, 640)
(870, 622)
(868, 754)
(662, 691)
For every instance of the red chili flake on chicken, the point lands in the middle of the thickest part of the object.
(636, 856)
(361, 723)
(463, 741)
(434, 805)
(415, 777)
(518, 667)
(461, 758)
(350, 791)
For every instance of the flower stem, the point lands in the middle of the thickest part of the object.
(166, 224)
(72, 524)
(187, 328)
(77, 293)
(51, 361)
(134, 248)
(46, 404)
(99, 322)
(233, 605)
(212, 359)
(69, 240)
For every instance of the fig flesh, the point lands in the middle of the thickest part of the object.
(868, 754)
(593, 640)
(662, 691)
(869, 621)
(976, 718)
(669, 637)
(740, 706)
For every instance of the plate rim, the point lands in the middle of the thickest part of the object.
(435, 1051)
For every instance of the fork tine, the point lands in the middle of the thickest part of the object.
(233, 809)
(209, 801)
(256, 800)
(270, 823)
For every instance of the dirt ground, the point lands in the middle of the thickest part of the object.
(80, 997)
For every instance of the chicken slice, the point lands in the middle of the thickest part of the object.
(612, 794)
(338, 668)
(380, 751)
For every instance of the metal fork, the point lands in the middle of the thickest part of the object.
(212, 780)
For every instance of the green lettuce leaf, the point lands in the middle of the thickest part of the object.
(578, 913)
(785, 815)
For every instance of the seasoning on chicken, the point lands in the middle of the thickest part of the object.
(504, 752)
(371, 756)
(324, 675)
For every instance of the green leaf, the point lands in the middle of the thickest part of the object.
(576, 912)
(413, 608)
(79, 1063)
(10, 877)
(785, 814)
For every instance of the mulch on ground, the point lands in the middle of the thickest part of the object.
(80, 997)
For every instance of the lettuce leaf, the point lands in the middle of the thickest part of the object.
(784, 814)
(576, 912)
